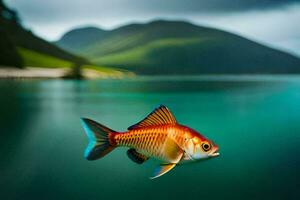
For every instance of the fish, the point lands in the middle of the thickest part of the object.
(157, 136)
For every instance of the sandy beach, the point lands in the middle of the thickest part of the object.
(32, 72)
(54, 73)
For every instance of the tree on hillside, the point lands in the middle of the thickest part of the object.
(9, 55)
(8, 14)
(8, 52)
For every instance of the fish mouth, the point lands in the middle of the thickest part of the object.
(214, 152)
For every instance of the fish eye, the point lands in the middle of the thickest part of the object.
(206, 146)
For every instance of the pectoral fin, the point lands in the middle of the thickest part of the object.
(172, 152)
(162, 169)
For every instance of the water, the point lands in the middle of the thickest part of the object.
(255, 122)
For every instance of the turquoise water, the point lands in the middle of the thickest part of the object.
(254, 120)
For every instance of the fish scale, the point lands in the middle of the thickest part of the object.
(150, 141)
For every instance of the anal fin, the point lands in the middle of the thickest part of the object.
(162, 169)
(136, 157)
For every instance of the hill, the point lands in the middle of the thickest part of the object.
(73, 41)
(177, 47)
(14, 35)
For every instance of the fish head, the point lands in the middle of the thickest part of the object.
(198, 147)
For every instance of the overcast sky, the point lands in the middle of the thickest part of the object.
(272, 22)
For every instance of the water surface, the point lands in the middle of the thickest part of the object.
(254, 120)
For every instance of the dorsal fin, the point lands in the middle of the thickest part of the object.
(159, 116)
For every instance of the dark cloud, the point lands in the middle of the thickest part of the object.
(212, 5)
(57, 7)
(55, 10)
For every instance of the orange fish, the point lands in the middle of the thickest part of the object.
(157, 136)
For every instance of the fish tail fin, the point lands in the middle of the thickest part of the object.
(99, 139)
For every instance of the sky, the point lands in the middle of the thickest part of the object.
(271, 22)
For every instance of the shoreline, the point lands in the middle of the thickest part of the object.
(57, 73)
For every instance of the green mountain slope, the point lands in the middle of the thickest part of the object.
(28, 40)
(73, 41)
(36, 59)
(175, 47)
(17, 36)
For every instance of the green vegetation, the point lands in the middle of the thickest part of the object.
(8, 53)
(9, 56)
(26, 39)
(36, 59)
(140, 56)
(175, 47)
(13, 35)
(74, 39)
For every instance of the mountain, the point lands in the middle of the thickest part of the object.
(177, 47)
(15, 37)
(79, 38)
